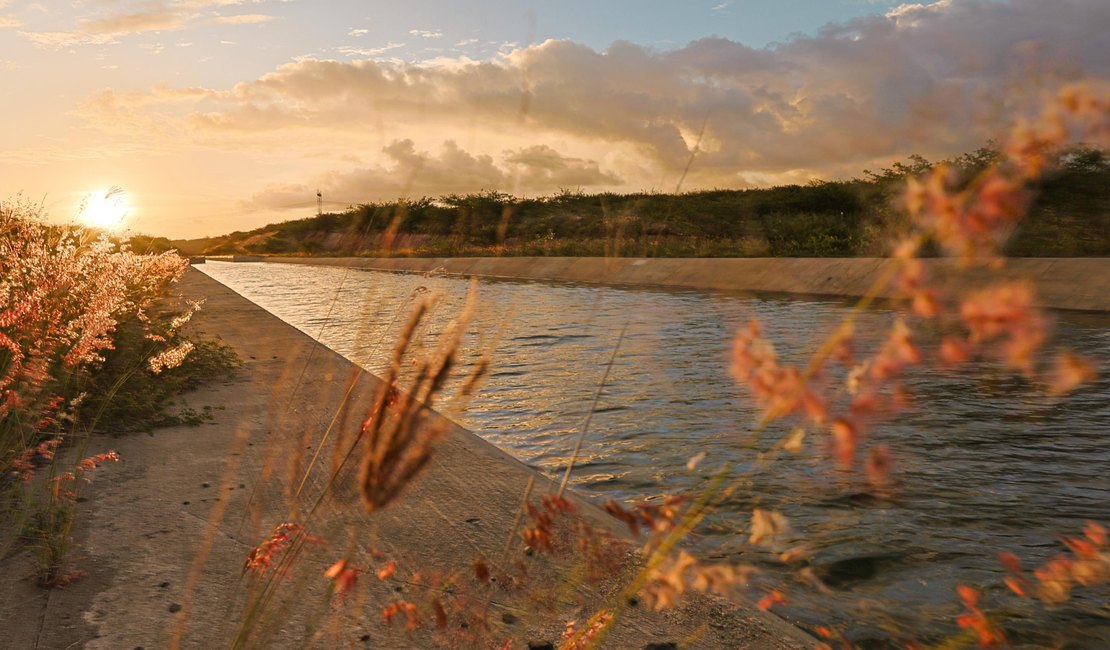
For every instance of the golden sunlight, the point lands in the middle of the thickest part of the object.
(105, 209)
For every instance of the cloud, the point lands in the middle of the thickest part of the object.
(358, 32)
(61, 40)
(422, 33)
(543, 169)
(9, 23)
(147, 21)
(409, 173)
(243, 19)
(164, 16)
(934, 79)
(368, 52)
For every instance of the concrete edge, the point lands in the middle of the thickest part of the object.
(1079, 284)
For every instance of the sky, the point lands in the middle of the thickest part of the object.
(222, 115)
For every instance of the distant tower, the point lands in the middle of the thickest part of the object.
(319, 203)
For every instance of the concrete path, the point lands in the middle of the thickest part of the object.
(1062, 283)
(165, 533)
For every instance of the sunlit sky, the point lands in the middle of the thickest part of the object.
(221, 115)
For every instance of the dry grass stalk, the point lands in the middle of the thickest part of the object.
(398, 439)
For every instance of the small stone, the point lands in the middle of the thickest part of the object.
(541, 645)
(204, 485)
(508, 618)
(175, 608)
(163, 585)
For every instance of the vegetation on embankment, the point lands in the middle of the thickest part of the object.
(1069, 217)
(88, 342)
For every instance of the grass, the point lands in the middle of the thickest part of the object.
(823, 219)
(129, 398)
(122, 396)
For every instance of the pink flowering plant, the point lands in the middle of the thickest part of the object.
(65, 295)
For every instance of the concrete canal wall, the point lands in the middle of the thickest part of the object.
(164, 535)
(1062, 283)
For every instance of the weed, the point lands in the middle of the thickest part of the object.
(78, 329)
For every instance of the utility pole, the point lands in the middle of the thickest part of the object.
(319, 203)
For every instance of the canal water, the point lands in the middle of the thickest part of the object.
(984, 461)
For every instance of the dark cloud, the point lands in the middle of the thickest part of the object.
(413, 173)
(543, 169)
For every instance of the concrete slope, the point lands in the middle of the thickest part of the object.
(1062, 283)
(164, 535)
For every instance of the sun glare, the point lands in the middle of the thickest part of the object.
(105, 209)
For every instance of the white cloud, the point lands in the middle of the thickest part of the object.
(10, 23)
(243, 19)
(62, 40)
(145, 21)
(163, 17)
(422, 33)
(358, 32)
(368, 52)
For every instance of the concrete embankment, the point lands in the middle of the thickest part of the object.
(164, 534)
(1062, 283)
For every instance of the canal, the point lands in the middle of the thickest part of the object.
(984, 462)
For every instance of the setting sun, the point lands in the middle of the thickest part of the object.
(105, 209)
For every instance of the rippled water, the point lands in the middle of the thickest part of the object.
(984, 461)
